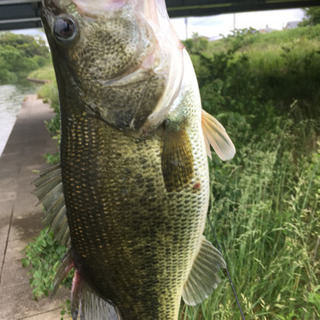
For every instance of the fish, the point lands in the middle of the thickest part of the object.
(130, 195)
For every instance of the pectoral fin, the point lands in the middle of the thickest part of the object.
(177, 159)
(216, 136)
(203, 277)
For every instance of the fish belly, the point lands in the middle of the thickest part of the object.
(133, 241)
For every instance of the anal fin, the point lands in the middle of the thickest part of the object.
(203, 277)
(86, 304)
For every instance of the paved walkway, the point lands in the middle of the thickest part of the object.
(20, 219)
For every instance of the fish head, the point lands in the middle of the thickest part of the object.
(117, 59)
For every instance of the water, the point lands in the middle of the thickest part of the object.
(11, 98)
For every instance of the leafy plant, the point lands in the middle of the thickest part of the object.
(49, 93)
(43, 257)
(66, 310)
(52, 158)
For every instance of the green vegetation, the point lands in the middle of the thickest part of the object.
(44, 73)
(19, 55)
(265, 203)
(43, 256)
(312, 17)
(49, 94)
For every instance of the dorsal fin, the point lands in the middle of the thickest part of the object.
(216, 136)
(203, 277)
(50, 194)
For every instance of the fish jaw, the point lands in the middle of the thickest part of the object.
(120, 49)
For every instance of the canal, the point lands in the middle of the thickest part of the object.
(11, 98)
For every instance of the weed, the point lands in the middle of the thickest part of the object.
(43, 256)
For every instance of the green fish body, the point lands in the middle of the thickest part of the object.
(134, 171)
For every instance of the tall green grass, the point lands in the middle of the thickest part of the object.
(266, 201)
(266, 212)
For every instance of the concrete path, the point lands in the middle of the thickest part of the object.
(20, 219)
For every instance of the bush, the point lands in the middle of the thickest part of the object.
(19, 55)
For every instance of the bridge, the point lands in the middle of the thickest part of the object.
(24, 14)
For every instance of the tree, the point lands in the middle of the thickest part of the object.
(197, 44)
(19, 55)
(23, 43)
(312, 17)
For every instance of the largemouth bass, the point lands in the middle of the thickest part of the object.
(130, 196)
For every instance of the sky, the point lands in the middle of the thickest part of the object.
(215, 26)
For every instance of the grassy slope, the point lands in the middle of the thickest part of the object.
(44, 73)
(274, 39)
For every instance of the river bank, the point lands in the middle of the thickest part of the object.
(20, 217)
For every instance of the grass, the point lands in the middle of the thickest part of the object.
(44, 73)
(266, 201)
(265, 209)
(255, 41)
(267, 218)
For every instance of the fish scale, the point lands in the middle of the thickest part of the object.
(117, 227)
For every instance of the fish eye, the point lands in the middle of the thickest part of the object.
(65, 28)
